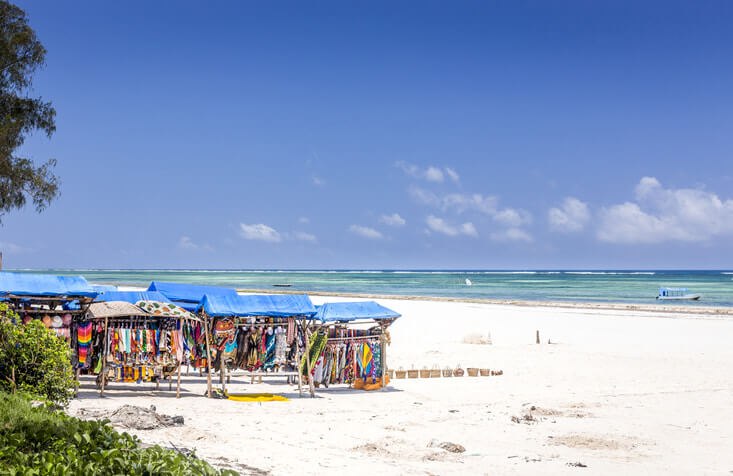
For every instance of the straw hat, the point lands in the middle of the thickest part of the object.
(67, 319)
(46, 320)
(56, 322)
(27, 318)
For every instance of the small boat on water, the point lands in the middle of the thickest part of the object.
(282, 285)
(676, 294)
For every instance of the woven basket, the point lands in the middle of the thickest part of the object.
(485, 372)
(424, 373)
(458, 372)
(447, 372)
(390, 373)
(413, 373)
(400, 373)
(472, 372)
(435, 373)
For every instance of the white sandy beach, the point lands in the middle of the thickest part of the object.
(619, 391)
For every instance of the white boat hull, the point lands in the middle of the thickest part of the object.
(686, 297)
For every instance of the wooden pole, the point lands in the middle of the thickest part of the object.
(208, 350)
(178, 386)
(383, 343)
(223, 369)
(308, 360)
(300, 374)
(538, 337)
(104, 354)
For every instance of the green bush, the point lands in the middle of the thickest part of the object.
(34, 360)
(41, 441)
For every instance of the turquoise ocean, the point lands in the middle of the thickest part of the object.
(619, 286)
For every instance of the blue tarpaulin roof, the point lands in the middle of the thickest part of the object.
(28, 284)
(270, 305)
(104, 288)
(189, 292)
(353, 311)
(131, 296)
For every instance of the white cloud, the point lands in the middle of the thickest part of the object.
(661, 214)
(431, 173)
(303, 236)
(11, 248)
(186, 243)
(464, 202)
(571, 216)
(512, 217)
(318, 181)
(366, 232)
(304, 220)
(259, 232)
(452, 174)
(439, 225)
(468, 229)
(426, 197)
(512, 234)
(393, 220)
(434, 174)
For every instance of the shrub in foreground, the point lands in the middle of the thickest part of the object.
(34, 360)
(41, 441)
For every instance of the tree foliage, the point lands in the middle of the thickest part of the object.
(21, 55)
(33, 360)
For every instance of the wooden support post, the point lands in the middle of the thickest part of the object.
(105, 350)
(208, 351)
(306, 335)
(170, 383)
(178, 386)
(223, 371)
(383, 343)
(300, 374)
(538, 337)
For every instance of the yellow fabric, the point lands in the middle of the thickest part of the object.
(360, 385)
(257, 397)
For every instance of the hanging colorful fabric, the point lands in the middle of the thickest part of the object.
(366, 363)
(84, 337)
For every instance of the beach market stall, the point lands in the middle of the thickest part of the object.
(142, 342)
(263, 335)
(352, 344)
(56, 301)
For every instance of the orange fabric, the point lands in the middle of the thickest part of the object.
(360, 385)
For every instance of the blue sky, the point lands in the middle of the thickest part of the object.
(384, 135)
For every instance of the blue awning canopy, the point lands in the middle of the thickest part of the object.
(29, 284)
(269, 305)
(104, 288)
(131, 296)
(354, 311)
(189, 292)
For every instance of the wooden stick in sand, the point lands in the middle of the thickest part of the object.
(104, 356)
(383, 343)
(208, 351)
